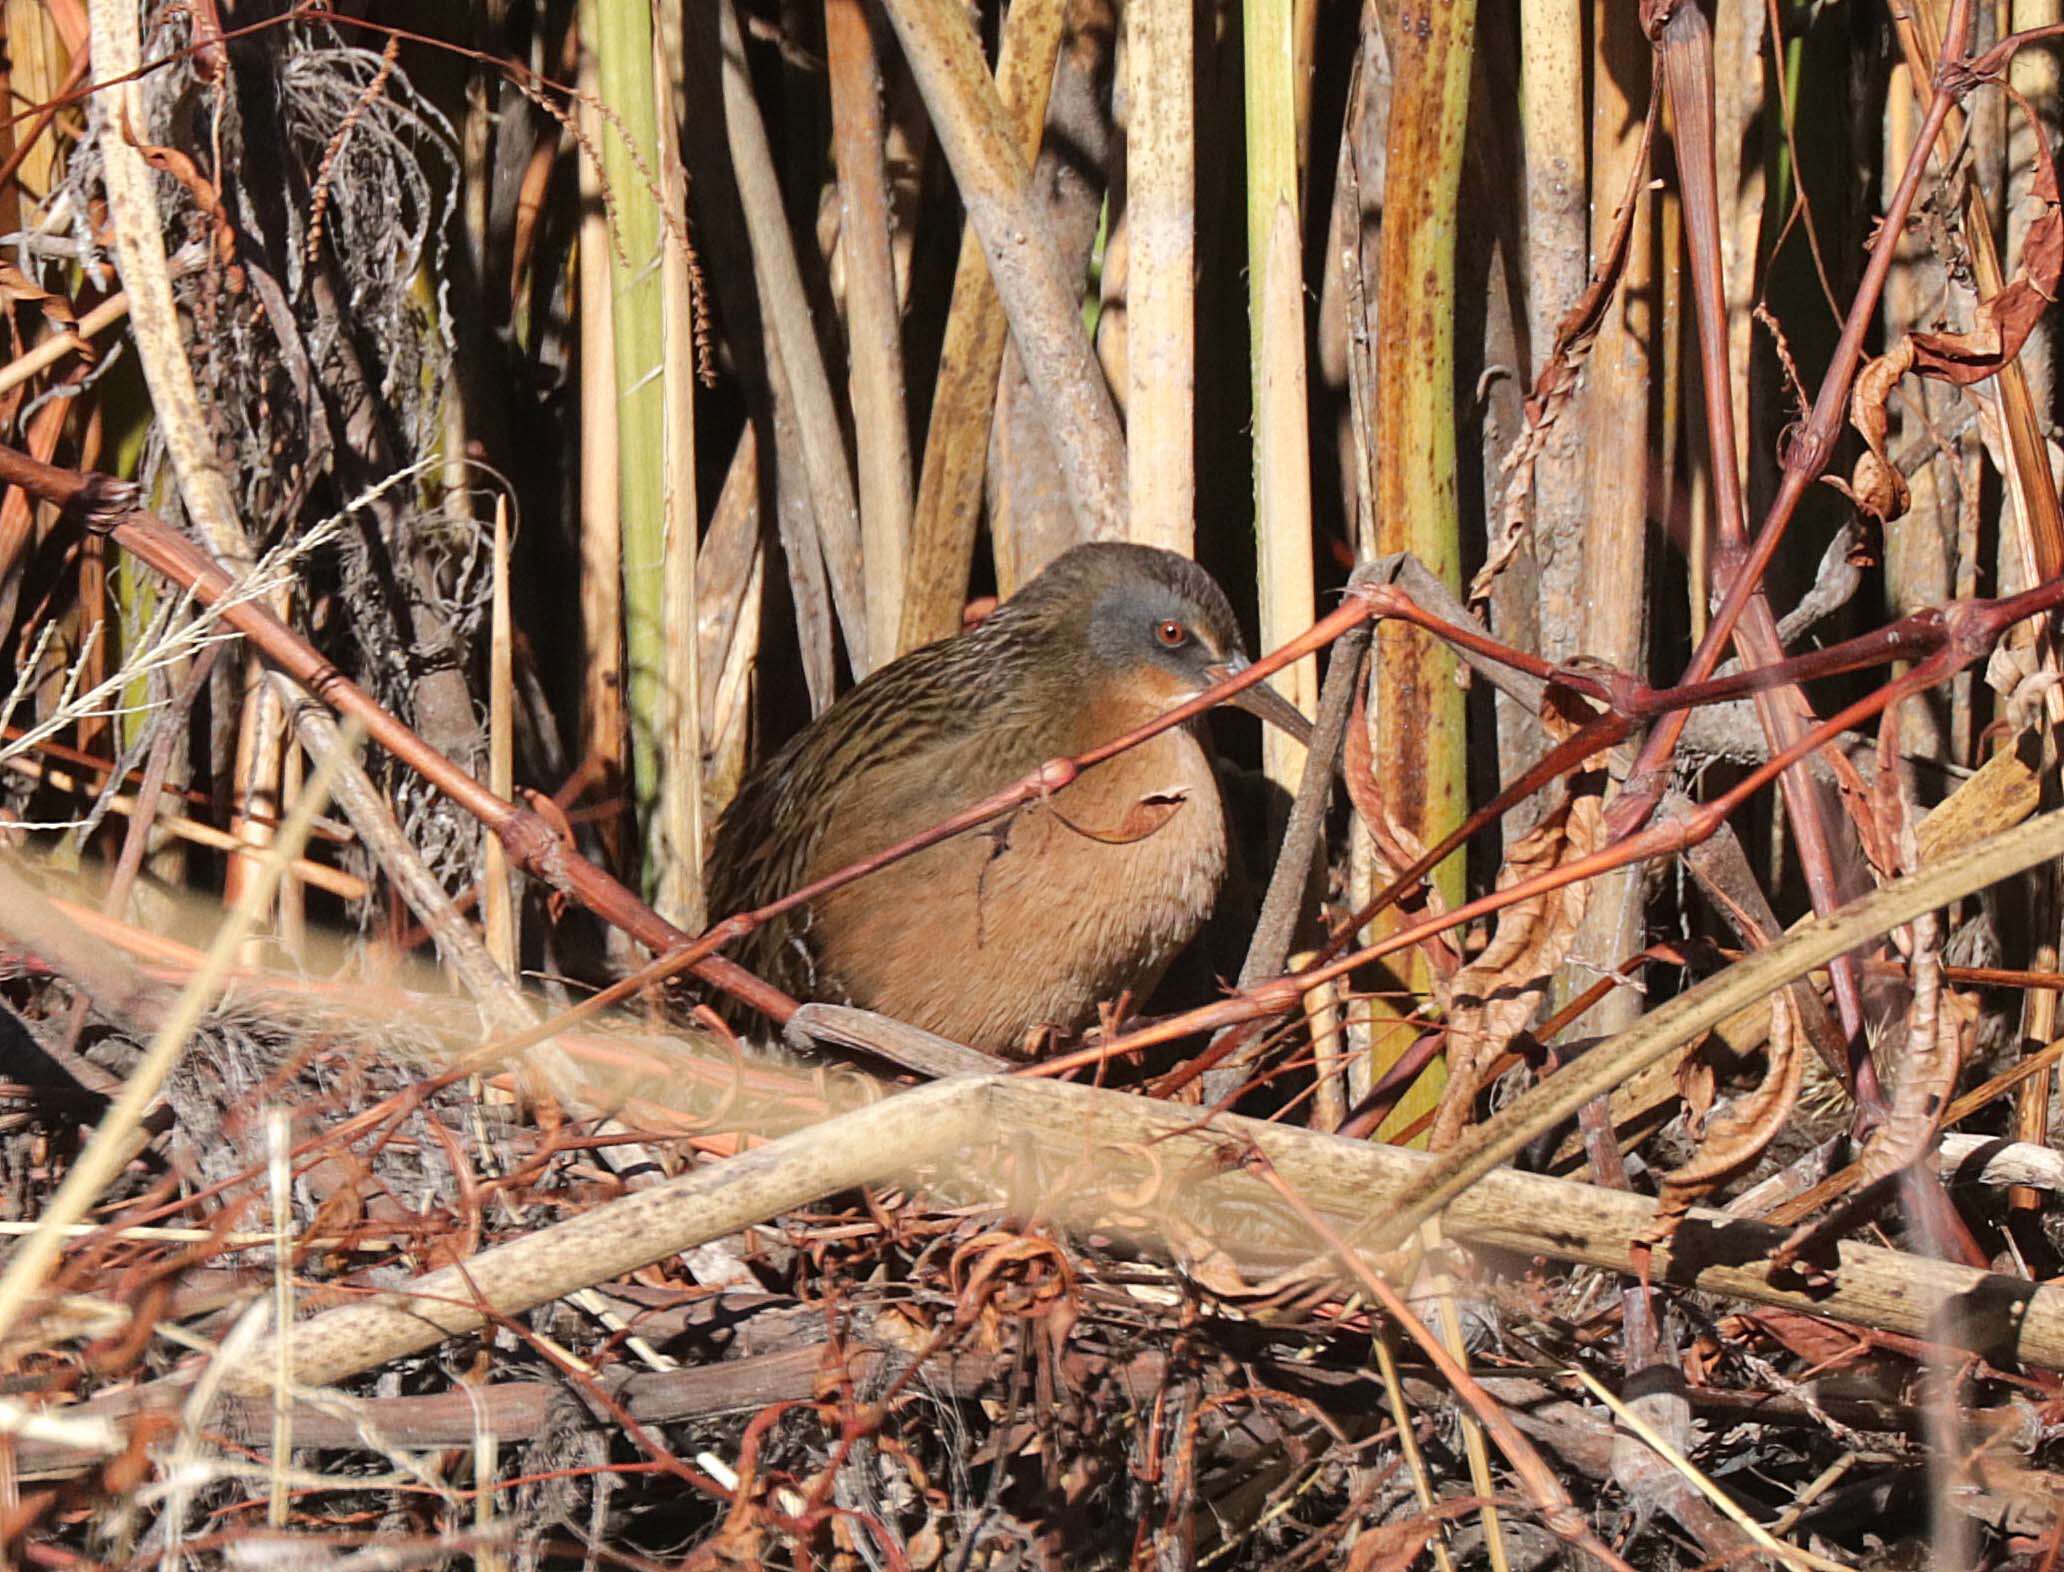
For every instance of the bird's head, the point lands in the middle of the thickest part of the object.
(1151, 622)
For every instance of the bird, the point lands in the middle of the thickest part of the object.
(1025, 924)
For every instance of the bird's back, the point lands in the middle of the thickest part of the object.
(935, 726)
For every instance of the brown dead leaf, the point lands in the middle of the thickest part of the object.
(1738, 1135)
(1922, 1070)
(1926, 1072)
(17, 286)
(1807, 1338)
(1396, 849)
(1697, 1088)
(1492, 1000)
(1875, 485)
(2004, 322)
(1564, 711)
(1391, 1547)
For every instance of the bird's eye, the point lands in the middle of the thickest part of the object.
(1172, 634)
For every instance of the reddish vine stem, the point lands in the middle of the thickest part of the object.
(1684, 51)
(1628, 699)
(1807, 456)
(1961, 633)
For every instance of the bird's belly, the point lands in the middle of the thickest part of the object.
(1033, 920)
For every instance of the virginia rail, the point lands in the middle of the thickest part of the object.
(1031, 920)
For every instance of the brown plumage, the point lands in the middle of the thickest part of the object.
(1033, 919)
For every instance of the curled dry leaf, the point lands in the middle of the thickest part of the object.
(2017, 673)
(1875, 485)
(16, 286)
(1922, 1068)
(1492, 1000)
(1392, 1547)
(1737, 1136)
(2004, 322)
(1697, 1088)
(1925, 1073)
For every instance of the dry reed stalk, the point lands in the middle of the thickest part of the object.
(1275, 309)
(1790, 1555)
(990, 170)
(808, 586)
(37, 70)
(499, 909)
(1112, 287)
(793, 355)
(1419, 707)
(1358, 199)
(254, 802)
(458, 947)
(1324, 1021)
(1439, 1286)
(1031, 516)
(934, 1131)
(2039, 534)
(1740, 172)
(730, 568)
(463, 411)
(1160, 296)
(1612, 439)
(906, 151)
(140, 254)
(2034, 74)
(91, 612)
(1418, 716)
(1919, 569)
(1408, 1436)
(874, 321)
(293, 898)
(279, 1176)
(497, 902)
(678, 842)
(949, 493)
(619, 39)
(1558, 250)
(603, 733)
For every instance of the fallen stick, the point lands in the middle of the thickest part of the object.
(1123, 1164)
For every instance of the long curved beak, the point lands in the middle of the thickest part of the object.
(1264, 701)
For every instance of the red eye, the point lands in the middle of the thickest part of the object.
(1172, 634)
